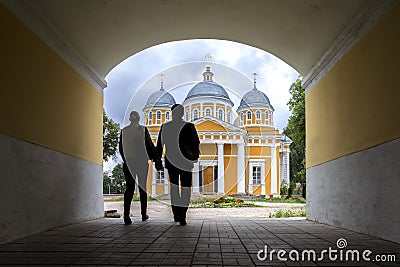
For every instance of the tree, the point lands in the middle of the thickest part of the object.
(296, 130)
(107, 184)
(110, 137)
(118, 179)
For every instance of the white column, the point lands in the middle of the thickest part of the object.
(221, 182)
(201, 110)
(240, 170)
(215, 110)
(274, 176)
(288, 166)
(165, 181)
(196, 178)
(263, 182)
(153, 180)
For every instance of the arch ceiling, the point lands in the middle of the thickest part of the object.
(106, 32)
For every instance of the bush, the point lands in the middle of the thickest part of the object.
(284, 188)
(287, 213)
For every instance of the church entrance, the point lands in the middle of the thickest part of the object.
(208, 179)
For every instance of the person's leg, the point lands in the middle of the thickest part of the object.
(142, 179)
(174, 191)
(129, 191)
(186, 183)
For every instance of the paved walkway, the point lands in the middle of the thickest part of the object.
(205, 241)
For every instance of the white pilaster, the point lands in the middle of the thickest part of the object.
(196, 178)
(274, 176)
(153, 179)
(165, 181)
(288, 166)
(215, 110)
(263, 181)
(240, 170)
(221, 182)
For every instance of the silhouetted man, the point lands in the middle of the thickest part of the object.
(136, 148)
(181, 152)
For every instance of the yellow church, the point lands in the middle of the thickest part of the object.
(241, 153)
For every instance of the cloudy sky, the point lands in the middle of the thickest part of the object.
(182, 63)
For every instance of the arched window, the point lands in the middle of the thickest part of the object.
(158, 115)
(195, 114)
(229, 116)
(167, 116)
(241, 116)
(266, 117)
(208, 112)
(150, 116)
(187, 116)
(258, 115)
(220, 115)
(248, 115)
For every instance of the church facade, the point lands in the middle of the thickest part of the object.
(241, 151)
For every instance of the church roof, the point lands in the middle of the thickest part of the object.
(255, 99)
(208, 88)
(160, 98)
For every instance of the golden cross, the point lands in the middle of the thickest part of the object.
(208, 58)
(162, 77)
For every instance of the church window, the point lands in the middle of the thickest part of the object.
(266, 117)
(248, 115)
(167, 116)
(256, 173)
(208, 112)
(158, 115)
(258, 115)
(220, 114)
(241, 116)
(229, 116)
(195, 114)
(187, 116)
(160, 179)
(150, 116)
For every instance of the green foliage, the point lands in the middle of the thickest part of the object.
(221, 202)
(110, 137)
(288, 213)
(296, 131)
(114, 184)
(284, 188)
(299, 200)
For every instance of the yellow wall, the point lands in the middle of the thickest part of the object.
(356, 106)
(44, 100)
(209, 126)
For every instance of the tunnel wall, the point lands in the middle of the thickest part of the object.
(50, 137)
(352, 137)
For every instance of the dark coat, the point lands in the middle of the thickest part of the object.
(135, 145)
(181, 144)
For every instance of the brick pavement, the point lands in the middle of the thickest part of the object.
(205, 241)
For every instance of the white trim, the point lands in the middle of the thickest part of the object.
(366, 18)
(274, 174)
(221, 168)
(166, 180)
(196, 179)
(36, 21)
(241, 170)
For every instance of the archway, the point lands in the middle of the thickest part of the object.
(60, 139)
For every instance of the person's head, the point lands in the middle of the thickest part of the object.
(134, 116)
(177, 111)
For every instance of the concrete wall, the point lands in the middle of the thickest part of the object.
(353, 131)
(50, 137)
